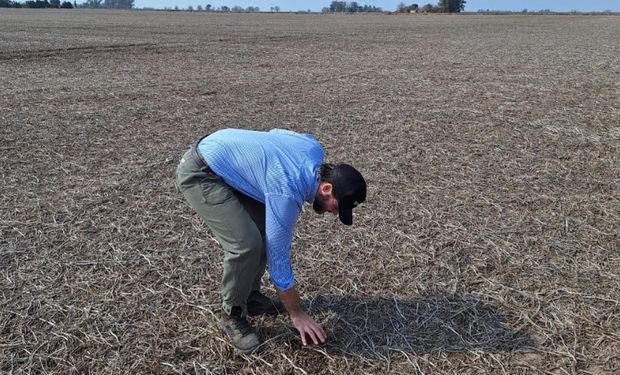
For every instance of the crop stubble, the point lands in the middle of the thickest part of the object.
(488, 244)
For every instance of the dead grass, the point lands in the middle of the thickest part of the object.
(489, 242)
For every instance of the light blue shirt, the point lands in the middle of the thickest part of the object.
(278, 168)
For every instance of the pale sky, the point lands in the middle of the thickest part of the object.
(389, 5)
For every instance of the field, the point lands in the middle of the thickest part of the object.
(489, 242)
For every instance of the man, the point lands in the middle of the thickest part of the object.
(249, 187)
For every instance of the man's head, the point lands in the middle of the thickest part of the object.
(341, 188)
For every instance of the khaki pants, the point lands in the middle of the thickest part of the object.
(237, 222)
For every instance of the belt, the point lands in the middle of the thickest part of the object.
(204, 167)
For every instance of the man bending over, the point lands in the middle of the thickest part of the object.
(249, 187)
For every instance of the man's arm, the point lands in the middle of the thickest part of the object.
(302, 321)
(281, 215)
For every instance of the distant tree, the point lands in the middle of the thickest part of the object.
(338, 6)
(66, 5)
(208, 7)
(225, 8)
(276, 8)
(199, 8)
(54, 3)
(443, 5)
(236, 9)
(92, 4)
(190, 8)
(451, 6)
(176, 7)
(119, 4)
(37, 4)
(351, 7)
(8, 4)
(403, 8)
(427, 8)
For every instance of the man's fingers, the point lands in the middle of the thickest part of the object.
(312, 335)
(303, 337)
(323, 334)
(317, 335)
(306, 326)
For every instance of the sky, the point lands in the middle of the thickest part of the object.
(389, 5)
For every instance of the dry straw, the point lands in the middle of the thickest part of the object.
(488, 244)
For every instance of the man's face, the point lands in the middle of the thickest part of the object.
(325, 200)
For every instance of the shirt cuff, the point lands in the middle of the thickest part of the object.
(283, 286)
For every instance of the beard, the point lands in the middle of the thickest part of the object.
(319, 204)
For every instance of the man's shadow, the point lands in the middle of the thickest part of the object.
(429, 323)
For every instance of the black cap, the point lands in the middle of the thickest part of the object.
(349, 190)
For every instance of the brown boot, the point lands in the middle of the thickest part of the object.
(240, 332)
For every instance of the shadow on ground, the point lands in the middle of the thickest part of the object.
(429, 323)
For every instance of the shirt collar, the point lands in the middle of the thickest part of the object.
(311, 182)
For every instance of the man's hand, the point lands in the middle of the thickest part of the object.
(307, 326)
(304, 323)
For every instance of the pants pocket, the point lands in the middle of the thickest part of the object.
(214, 190)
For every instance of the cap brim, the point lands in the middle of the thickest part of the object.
(346, 216)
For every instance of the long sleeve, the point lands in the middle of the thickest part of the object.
(282, 213)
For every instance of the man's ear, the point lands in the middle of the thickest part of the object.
(326, 188)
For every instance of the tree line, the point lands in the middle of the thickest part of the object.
(443, 6)
(349, 7)
(36, 4)
(109, 4)
(224, 8)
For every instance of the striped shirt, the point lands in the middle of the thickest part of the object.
(278, 168)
